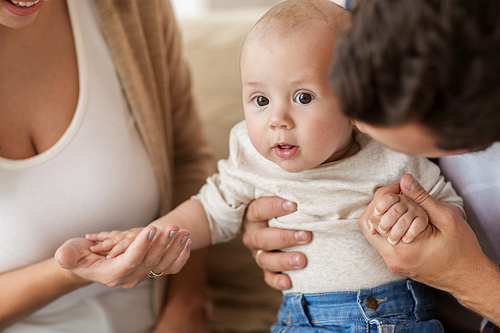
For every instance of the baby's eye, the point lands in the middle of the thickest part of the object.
(304, 98)
(261, 101)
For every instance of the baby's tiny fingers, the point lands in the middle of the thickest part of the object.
(386, 202)
(103, 246)
(397, 233)
(91, 237)
(98, 237)
(120, 247)
(393, 216)
(98, 248)
(108, 243)
(101, 236)
(418, 225)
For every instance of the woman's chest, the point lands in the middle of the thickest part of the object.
(39, 91)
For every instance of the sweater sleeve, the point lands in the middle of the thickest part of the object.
(226, 194)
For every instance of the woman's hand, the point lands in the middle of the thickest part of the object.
(149, 252)
(446, 255)
(263, 240)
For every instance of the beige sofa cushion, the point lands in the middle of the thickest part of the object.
(240, 300)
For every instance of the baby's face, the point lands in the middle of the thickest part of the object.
(292, 113)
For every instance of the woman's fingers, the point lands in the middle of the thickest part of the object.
(127, 270)
(181, 260)
(141, 256)
(136, 253)
(179, 244)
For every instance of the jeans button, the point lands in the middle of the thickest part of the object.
(372, 303)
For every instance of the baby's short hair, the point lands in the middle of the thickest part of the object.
(290, 14)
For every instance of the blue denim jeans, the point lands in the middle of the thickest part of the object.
(395, 307)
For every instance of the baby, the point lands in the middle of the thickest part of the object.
(295, 143)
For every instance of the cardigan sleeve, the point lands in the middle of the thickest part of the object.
(192, 155)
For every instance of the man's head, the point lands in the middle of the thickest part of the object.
(429, 65)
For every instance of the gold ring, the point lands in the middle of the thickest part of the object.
(257, 257)
(153, 275)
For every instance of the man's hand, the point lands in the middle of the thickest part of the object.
(443, 256)
(263, 240)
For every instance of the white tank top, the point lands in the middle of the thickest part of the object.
(96, 177)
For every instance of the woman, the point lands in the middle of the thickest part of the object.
(97, 131)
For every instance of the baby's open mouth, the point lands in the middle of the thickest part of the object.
(285, 150)
(285, 146)
(24, 3)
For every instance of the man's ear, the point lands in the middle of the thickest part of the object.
(359, 125)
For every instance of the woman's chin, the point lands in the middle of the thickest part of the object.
(18, 16)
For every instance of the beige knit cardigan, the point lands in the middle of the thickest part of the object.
(145, 45)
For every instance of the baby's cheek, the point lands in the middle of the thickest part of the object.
(258, 141)
(320, 133)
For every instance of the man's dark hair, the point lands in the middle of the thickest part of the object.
(431, 62)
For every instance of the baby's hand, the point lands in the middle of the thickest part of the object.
(113, 242)
(401, 217)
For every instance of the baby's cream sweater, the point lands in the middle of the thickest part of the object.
(330, 198)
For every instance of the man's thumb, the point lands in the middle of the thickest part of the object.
(413, 190)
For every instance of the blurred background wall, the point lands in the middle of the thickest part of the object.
(193, 8)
